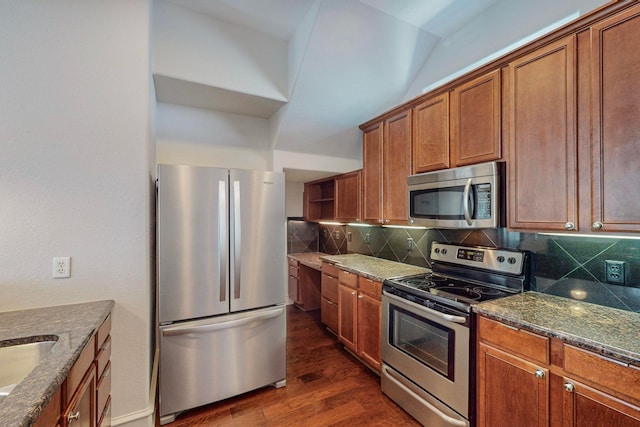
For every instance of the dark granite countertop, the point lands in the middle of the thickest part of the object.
(310, 259)
(604, 330)
(373, 268)
(72, 325)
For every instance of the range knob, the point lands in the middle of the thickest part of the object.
(444, 251)
(500, 259)
(511, 260)
(436, 250)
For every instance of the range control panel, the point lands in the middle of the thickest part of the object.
(499, 260)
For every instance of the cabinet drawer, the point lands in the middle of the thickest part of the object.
(370, 287)
(533, 346)
(330, 269)
(347, 278)
(293, 263)
(330, 287)
(616, 376)
(79, 369)
(329, 314)
(103, 390)
(103, 333)
(105, 418)
(103, 356)
(293, 271)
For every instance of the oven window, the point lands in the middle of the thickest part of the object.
(447, 203)
(428, 342)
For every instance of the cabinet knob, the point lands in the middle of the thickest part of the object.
(360, 296)
(353, 292)
(387, 221)
(539, 373)
(569, 226)
(597, 225)
(569, 387)
(73, 417)
(380, 220)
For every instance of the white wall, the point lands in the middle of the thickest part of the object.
(74, 170)
(199, 137)
(197, 48)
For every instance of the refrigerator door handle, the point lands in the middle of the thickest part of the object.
(222, 238)
(237, 236)
(180, 330)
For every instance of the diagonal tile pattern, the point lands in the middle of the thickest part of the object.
(571, 267)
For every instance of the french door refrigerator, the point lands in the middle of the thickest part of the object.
(221, 284)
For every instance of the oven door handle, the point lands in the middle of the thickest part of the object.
(447, 317)
(446, 418)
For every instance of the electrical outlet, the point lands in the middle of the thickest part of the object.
(336, 235)
(614, 271)
(349, 237)
(61, 267)
(367, 238)
(410, 243)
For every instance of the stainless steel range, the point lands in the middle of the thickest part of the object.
(428, 330)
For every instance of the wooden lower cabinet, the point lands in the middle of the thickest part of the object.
(359, 317)
(84, 398)
(304, 286)
(329, 297)
(574, 387)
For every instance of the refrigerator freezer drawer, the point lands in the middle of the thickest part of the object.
(212, 359)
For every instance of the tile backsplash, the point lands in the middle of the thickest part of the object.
(566, 266)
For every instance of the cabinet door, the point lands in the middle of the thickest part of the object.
(81, 411)
(584, 406)
(397, 166)
(372, 174)
(616, 122)
(369, 315)
(348, 192)
(475, 121)
(511, 391)
(431, 134)
(542, 139)
(347, 311)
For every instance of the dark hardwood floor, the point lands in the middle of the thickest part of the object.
(326, 386)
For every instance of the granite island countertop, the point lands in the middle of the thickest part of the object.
(373, 268)
(604, 330)
(72, 326)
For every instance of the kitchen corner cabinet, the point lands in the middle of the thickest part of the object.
(359, 316)
(475, 119)
(526, 379)
(431, 134)
(387, 163)
(348, 196)
(542, 138)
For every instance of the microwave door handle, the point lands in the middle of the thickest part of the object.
(465, 202)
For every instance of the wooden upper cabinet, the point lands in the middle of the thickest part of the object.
(319, 200)
(372, 173)
(348, 196)
(615, 65)
(475, 116)
(542, 138)
(431, 134)
(396, 167)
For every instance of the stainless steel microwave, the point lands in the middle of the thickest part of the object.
(466, 197)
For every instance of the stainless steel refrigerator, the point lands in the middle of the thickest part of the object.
(221, 284)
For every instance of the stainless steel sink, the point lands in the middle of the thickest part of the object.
(17, 361)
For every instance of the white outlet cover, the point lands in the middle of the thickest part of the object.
(61, 267)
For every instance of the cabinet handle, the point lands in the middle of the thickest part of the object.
(597, 225)
(73, 417)
(329, 302)
(569, 387)
(569, 226)
(539, 373)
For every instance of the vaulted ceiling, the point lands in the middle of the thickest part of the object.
(350, 60)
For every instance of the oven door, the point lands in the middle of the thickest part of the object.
(429, 348)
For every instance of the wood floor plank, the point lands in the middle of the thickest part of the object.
(326, 386)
